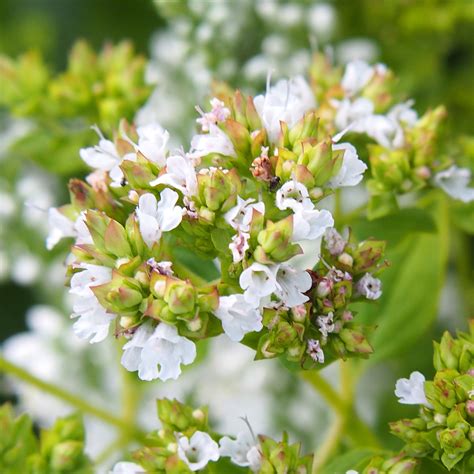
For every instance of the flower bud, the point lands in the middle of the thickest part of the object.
(67, 456)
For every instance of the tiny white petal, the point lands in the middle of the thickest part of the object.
(197, 451)
(412, 391)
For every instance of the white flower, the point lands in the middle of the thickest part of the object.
(412, 391)
(384, 130)
(152, 142)
(326, 324)
(291, 285)
(353, 113)
(258, 281)
(369, 287)
(127, 468)
(293, 195)
(155, 217)
(352, 169)
(287, 101)
(351, 471)
(403, 113)
(218, 113)
(94, 320)
(238, 317)
(162, 346)
(197, 451)
(239, 245)
(243, 451)
(60, 227)
(310, 224)
(216, 141)
(180, 174)
(358, 74)
(240, 216)
(314, 350)
(455, 182)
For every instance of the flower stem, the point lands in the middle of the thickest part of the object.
(71, 399)
(324, 452)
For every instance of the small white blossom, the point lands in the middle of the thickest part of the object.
(293, 195)
(287, 101)
(94, 320)
(403, 113)
(334, 241)
(370, 287)
(352, 113)
(161, 346)
(238, 317)
(218, 113)
(197, 451)
(455, 182)
(291, 285)
(412, 391)
(127, 468)
(314, 350)
(152, 142)
(384, 130)
(155, 217)
(60, 227)
(239, 245)
(240, 216)
(326, 324)
(311, 224)
(243, 451)
(352, 169)
(258, 281)
(216, 141)
(180, 174)
(351, 471)
(358, 74)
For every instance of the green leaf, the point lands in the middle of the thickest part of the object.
(463, 215)
(355, 459)
(381, 205)
(411, 287)
(394, 227)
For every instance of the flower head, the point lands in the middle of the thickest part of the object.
(326, 324)
(411, 391)
(293, 195)
(287, 101)
(152, 142)
(155, 217)
(258, 281)
(352, 169)
(60, 227)
(218, 113)
(239, 245)
(311, 224)
(291, 285)
(334, 241)
(314, 350)
(369, 287)
(243, 451)
(197, 451)
(240, 216)
(216, 141)
(180, 174)
(238, 317)
(162, 346)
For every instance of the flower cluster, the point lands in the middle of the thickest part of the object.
(444, 430)
(244, 195)
(407, 154)
(185, 443)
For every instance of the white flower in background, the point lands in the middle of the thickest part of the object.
(335, 243)
(311, 224)
(152, 142)
(314, 350)
(403, 113)
(243, 451)
(238, 317)
(293, 195)
(216, 141)
(351, 471)
(286, 101)
(127, 468)
(321, 19)
(155, 217)
(352, 169)
(291, 285)
(370, 287)
(239, 245)
(352, 113)
(197, 451)
(258, 281)
(180, 174)
(25, 268)
(219, 113)
(161, 346)
(60, 227)
(326, 324)
(412, 391)
(384, 130)
(455, 182)
(240, 216)
(94, 320)
(358, 74)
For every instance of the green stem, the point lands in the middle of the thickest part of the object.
(71, 399)
(326, 450)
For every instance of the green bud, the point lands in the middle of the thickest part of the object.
(306, 127)
(355, 340)
(115, 240)
(180, 296)
(67, 455)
